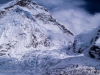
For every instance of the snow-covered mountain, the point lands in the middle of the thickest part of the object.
(32, 42)
(25, 25)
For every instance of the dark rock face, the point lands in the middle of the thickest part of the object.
(95, 52)
(23, 2)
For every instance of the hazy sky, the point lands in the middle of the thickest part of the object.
(76, 15)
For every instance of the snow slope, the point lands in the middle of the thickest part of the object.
(32, 42)
(26, 25)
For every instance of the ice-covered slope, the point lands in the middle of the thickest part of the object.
(88, 42)
(85, 40)
(24, 25)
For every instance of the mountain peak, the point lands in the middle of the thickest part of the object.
(23, 2)
(31, 27)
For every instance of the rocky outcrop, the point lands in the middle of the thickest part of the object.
(95, 52)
